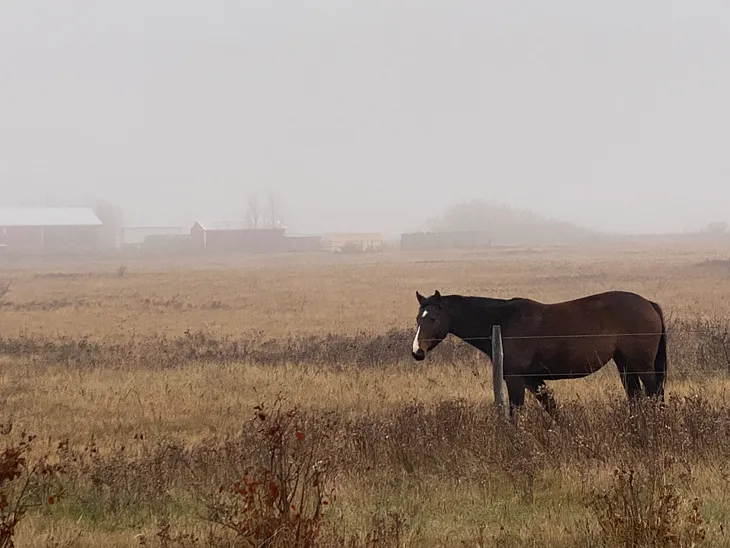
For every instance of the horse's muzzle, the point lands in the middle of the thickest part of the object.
(420, 355)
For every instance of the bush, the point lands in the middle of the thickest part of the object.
(647, 510)
(279, 502)
(22, 486)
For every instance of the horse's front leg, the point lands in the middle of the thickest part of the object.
(515, 392)
(543, 394)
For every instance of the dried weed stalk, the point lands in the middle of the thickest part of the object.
(280, 501)
(645, 509)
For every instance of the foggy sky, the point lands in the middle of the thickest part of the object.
(370, 115)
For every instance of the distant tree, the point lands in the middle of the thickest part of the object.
(112, 217)
(716, 227)
(479, 215)
(253, 217)
(506, 224)
(110, 214)
(273, 211)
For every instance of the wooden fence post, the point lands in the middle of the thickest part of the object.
(498, 369)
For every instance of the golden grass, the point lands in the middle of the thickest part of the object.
(137, 407)
(197, 401)
(338, 294)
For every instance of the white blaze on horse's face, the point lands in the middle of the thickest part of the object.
(419, 347)
(431, 327)
(416, 344)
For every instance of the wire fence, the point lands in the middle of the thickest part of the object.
(573, 375)
(601, 357)
(580, 335)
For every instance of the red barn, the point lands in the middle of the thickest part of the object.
(235, 236)
(45, 230)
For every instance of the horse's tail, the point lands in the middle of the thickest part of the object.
(660, 360)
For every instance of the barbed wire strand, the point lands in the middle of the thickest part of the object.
(578, 374)
(576, 336)
(581, 374)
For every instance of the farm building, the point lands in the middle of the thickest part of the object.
(457, 239)
(166, 245)
(302, 244)
(136, 235)
(154, 240)
(353, 242)
(235, 236)
(49, 230)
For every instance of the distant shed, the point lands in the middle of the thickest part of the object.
(235, 236)
(353, 242)
(166, 245)
(39, 230)
(136, 235)
(300, 243)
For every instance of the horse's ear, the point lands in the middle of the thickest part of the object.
(437, 294)
(420, 298)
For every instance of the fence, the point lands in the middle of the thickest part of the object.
(721, 338)
(498, 369)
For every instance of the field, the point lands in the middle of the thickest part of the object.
(140, 382)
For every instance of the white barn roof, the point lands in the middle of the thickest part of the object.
(209, 226)
(222, 225)
(48, 216)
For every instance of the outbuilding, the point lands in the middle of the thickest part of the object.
(299, 243)
(42, 230)
(353, 242)
(236, 236)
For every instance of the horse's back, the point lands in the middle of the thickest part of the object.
(609, 307)
(608, 298)
(595, 325)
(572, 339)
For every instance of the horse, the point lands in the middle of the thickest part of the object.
(553, 341)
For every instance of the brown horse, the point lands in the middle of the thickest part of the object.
(565, 340)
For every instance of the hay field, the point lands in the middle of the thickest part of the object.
(141, 385)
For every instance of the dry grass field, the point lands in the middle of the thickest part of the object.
(139, 386)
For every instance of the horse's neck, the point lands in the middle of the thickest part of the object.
(472, 320)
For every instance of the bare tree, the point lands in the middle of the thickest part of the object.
(273, 213)
(109, 213)
(254, 214)
(112, 218)
(716, 227)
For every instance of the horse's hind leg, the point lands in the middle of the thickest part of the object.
(648, 379)
(630, 380)
(643, 362)
(543, 394)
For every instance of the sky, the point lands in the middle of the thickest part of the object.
(372, 115)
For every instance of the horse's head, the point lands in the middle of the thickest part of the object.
(432, 325)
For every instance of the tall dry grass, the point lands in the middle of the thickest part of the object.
(142, 390)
